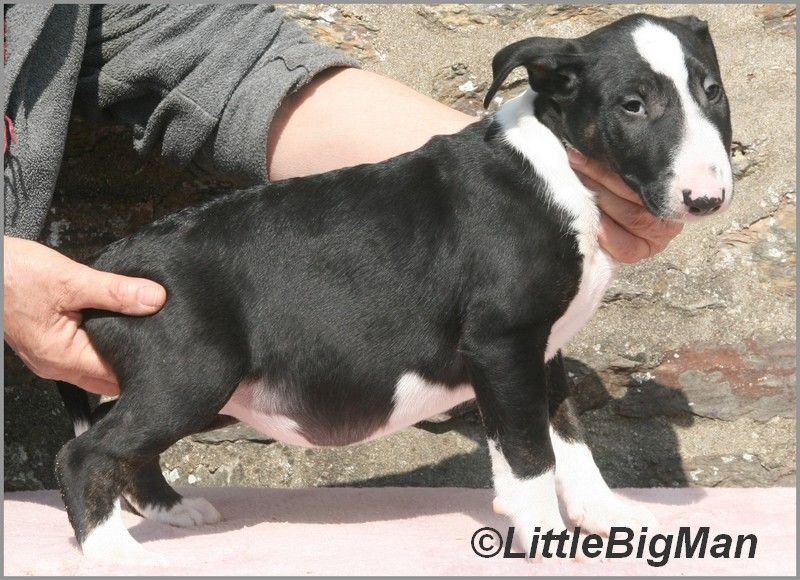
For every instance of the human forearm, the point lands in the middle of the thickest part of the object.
(345, 117)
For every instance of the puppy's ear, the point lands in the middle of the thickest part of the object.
(700, 28)
(552, 65)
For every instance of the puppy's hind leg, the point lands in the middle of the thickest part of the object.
(153, 498)
(148, 492)
(97, 467)
(91, 480)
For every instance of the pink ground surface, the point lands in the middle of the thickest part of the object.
(389, 531)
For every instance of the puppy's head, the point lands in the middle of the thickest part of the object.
(643, 94)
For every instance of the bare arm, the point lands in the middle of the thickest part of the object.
(347, 116)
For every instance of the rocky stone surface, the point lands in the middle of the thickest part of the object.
(35, 427)
(718, 382)
(458, 87)
(780, 18)
(337, 26)
(464, 18)
(686, 376)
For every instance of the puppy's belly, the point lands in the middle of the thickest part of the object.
(279, 427)
(272, 411)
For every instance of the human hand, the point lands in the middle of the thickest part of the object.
(628, 231)
(44, 295)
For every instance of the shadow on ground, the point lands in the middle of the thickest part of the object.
(631, 450)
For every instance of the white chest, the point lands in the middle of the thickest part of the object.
(598, 270)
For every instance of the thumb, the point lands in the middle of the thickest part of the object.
(91, 288)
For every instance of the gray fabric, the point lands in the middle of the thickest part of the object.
(198, 84)
(44, 57)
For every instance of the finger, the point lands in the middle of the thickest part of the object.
(621, 244)
(89, 288)
(90, 373)
(636, 219)
(88, 365)
(627, 230)
(632, 217)
(81, 365)
(596, 187)
(602, 175)
(97, 386)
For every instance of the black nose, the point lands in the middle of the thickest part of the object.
(702, 205)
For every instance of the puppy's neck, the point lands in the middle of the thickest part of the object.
(524, 131)
(535, 110)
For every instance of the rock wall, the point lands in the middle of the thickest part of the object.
(685, 377)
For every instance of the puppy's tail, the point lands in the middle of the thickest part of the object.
(76, 402)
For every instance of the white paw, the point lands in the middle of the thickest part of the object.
(110, 542)
(598, 515)
(189, 512)
(531, 525)
(499, 507)
(200, 505)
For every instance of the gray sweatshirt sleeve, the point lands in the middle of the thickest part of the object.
(199, 84)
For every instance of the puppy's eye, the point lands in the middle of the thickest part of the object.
(634, 107)
(713, 91)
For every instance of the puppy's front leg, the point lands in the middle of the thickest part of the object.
(508, 376)
(587, 499)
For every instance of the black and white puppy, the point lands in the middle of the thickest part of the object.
(334, 309)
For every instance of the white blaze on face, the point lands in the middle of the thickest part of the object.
(701, 163)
